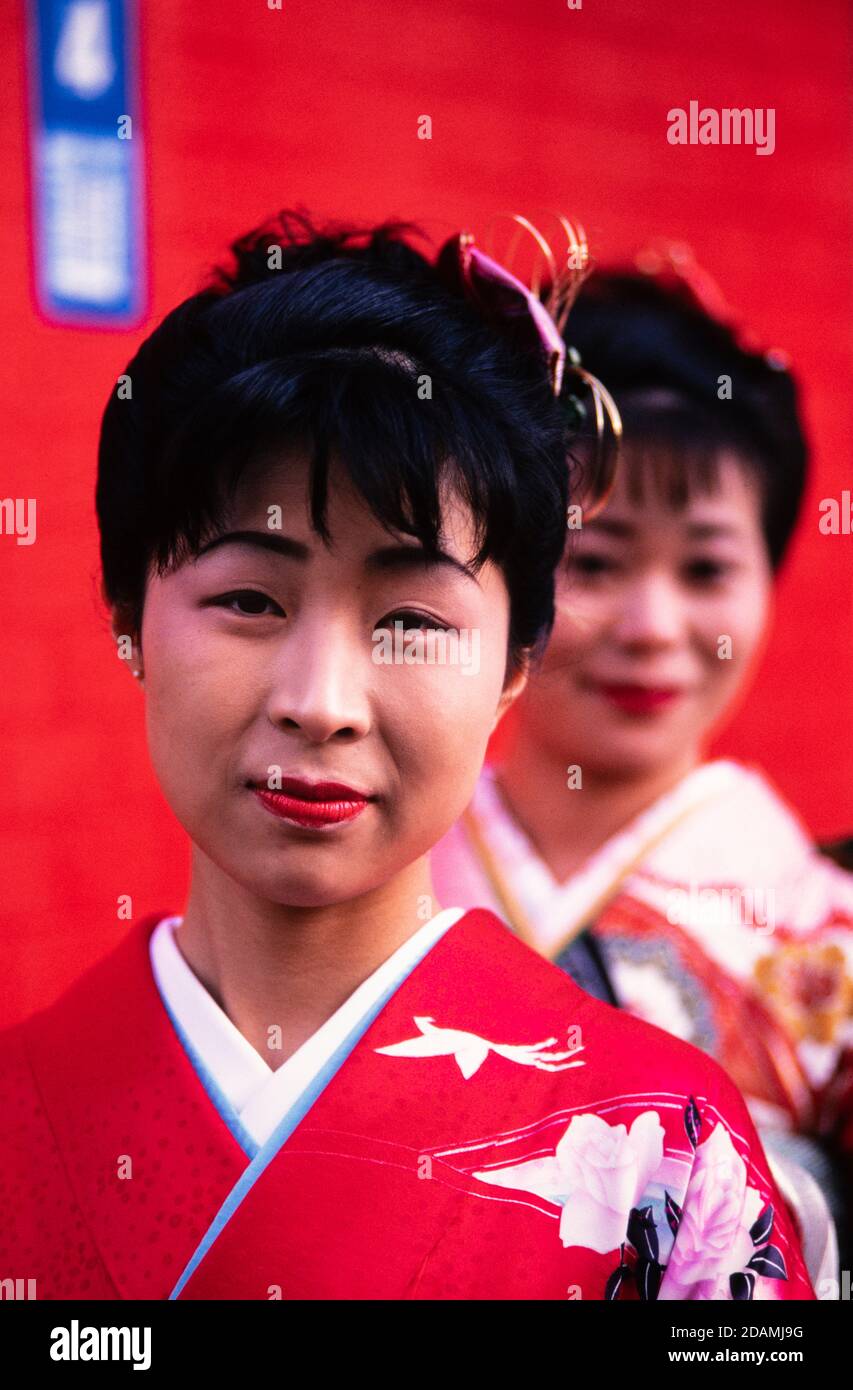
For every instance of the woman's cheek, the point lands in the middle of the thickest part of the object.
(727, 650)
(451, 732)
(193, 722)
(732, 635)
(581, 623)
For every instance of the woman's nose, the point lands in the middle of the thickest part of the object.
(321, 685)
(650, 612)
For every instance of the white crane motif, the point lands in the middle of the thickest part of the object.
(471, 1051)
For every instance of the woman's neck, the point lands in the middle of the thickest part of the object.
(565, 825)
(272, 967)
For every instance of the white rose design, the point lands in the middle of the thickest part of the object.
(598, 1173)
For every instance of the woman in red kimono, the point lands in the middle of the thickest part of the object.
(331, 509)
(680, 887)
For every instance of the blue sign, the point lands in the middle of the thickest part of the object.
(86, 152)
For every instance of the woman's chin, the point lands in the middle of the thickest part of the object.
(293, 885)
(634, 754)
(303, 893)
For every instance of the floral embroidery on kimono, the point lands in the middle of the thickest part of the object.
(717, 921)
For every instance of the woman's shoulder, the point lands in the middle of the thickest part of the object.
(613, 1043)
(106, 985)
(630, 1128)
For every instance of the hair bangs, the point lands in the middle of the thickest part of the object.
(399, 453)
(675, 448)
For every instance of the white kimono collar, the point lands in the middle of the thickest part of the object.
(258, 1094)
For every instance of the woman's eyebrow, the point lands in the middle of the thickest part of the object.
(389, 557)
(609, 526)
(708, 530)
(697, 530)
(264, 540)
(409, 557)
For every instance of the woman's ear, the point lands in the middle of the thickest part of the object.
(129, 649)
(513, 686)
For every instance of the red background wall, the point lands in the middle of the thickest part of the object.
(244, 110)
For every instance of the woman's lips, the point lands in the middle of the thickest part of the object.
(639, 699)
(313, 805)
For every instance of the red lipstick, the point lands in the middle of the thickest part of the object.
(639, 699)
(313, 805)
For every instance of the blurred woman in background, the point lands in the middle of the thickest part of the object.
(682, 889)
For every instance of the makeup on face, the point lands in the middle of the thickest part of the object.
(294, 759)
(313, 805)
(660, 612)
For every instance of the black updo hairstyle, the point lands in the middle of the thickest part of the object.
(661, 355)
(323, 343)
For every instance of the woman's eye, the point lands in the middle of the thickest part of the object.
(410, 619)
(708, 571)
(255, 603)
(590, 563)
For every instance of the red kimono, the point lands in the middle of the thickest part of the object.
(496, 1133)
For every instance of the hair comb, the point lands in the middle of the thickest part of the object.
(533, 306)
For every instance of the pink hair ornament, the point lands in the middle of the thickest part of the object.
(533, 311)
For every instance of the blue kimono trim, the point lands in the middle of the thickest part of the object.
(249, 1145)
